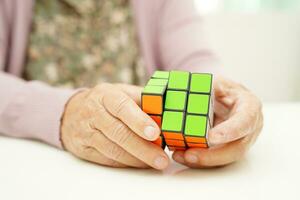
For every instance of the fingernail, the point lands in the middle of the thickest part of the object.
(179, 158)
(150, 132)
(192, 158)
(161, 162)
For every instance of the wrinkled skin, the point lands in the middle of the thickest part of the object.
(238, 122)
(105, 125)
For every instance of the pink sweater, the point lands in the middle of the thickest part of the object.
(170, 34)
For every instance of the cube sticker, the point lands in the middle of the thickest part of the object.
(195, 145)
(157, 82)
(172, 128)
(161, 75)
(152, 99)
(157, 119)
(201, 83)
(179, 80)
(176, 100)
(181, 103)
(175, 143)
(160, 141)
(198, 104)
(173, 121)
(190, 139)
(156, 90)
(173, 135)
(195, 125)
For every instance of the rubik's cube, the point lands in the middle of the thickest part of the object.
(181, 103)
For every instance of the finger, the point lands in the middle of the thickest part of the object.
(114, 152)
(214, 157)
(258, 130)
(92, 155)
(120, 134)
(134, 92)
(226, 85)
(226, 91)
(217, 120)
(221, 111)
(178, 156)
(124, 108)
(221, 87)
(242, 122)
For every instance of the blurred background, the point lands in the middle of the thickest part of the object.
(258, 42)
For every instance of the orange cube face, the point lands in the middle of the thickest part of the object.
(159, 141)
(177, 143)
(176, 148)
(173, 136)
(157, 119)
(196, 145)
(152, 104)
(195, 139)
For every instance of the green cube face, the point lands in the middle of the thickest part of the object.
(201, 83)
(172, 121)
(157, 90)
(179, 80)
(158, 82)
(195, 125)
(181, 103)
(176, 100)
(161, 75)
(198, 104)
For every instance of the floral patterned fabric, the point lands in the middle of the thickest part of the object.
(79, 43)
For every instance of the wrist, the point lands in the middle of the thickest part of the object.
(71, 106)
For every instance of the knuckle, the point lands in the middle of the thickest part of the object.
(251, 118)
(115, 152)
(89, 136)
(254, 102)
(124, 138)
(95, 139)
(226, 134)
(87, 151)
(122, 104)
(120, 133)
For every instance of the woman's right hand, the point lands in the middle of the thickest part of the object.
(105, 125)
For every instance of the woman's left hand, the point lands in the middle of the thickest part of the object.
(238, 122)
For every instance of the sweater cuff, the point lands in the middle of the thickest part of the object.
(36, 112)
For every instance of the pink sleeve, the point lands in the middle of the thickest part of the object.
(172, 37)
(31, 109)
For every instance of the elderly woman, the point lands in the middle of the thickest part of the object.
(50, 48)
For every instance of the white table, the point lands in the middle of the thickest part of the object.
(271, 170)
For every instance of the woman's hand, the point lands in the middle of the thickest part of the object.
(238, 122)
(105, 125)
